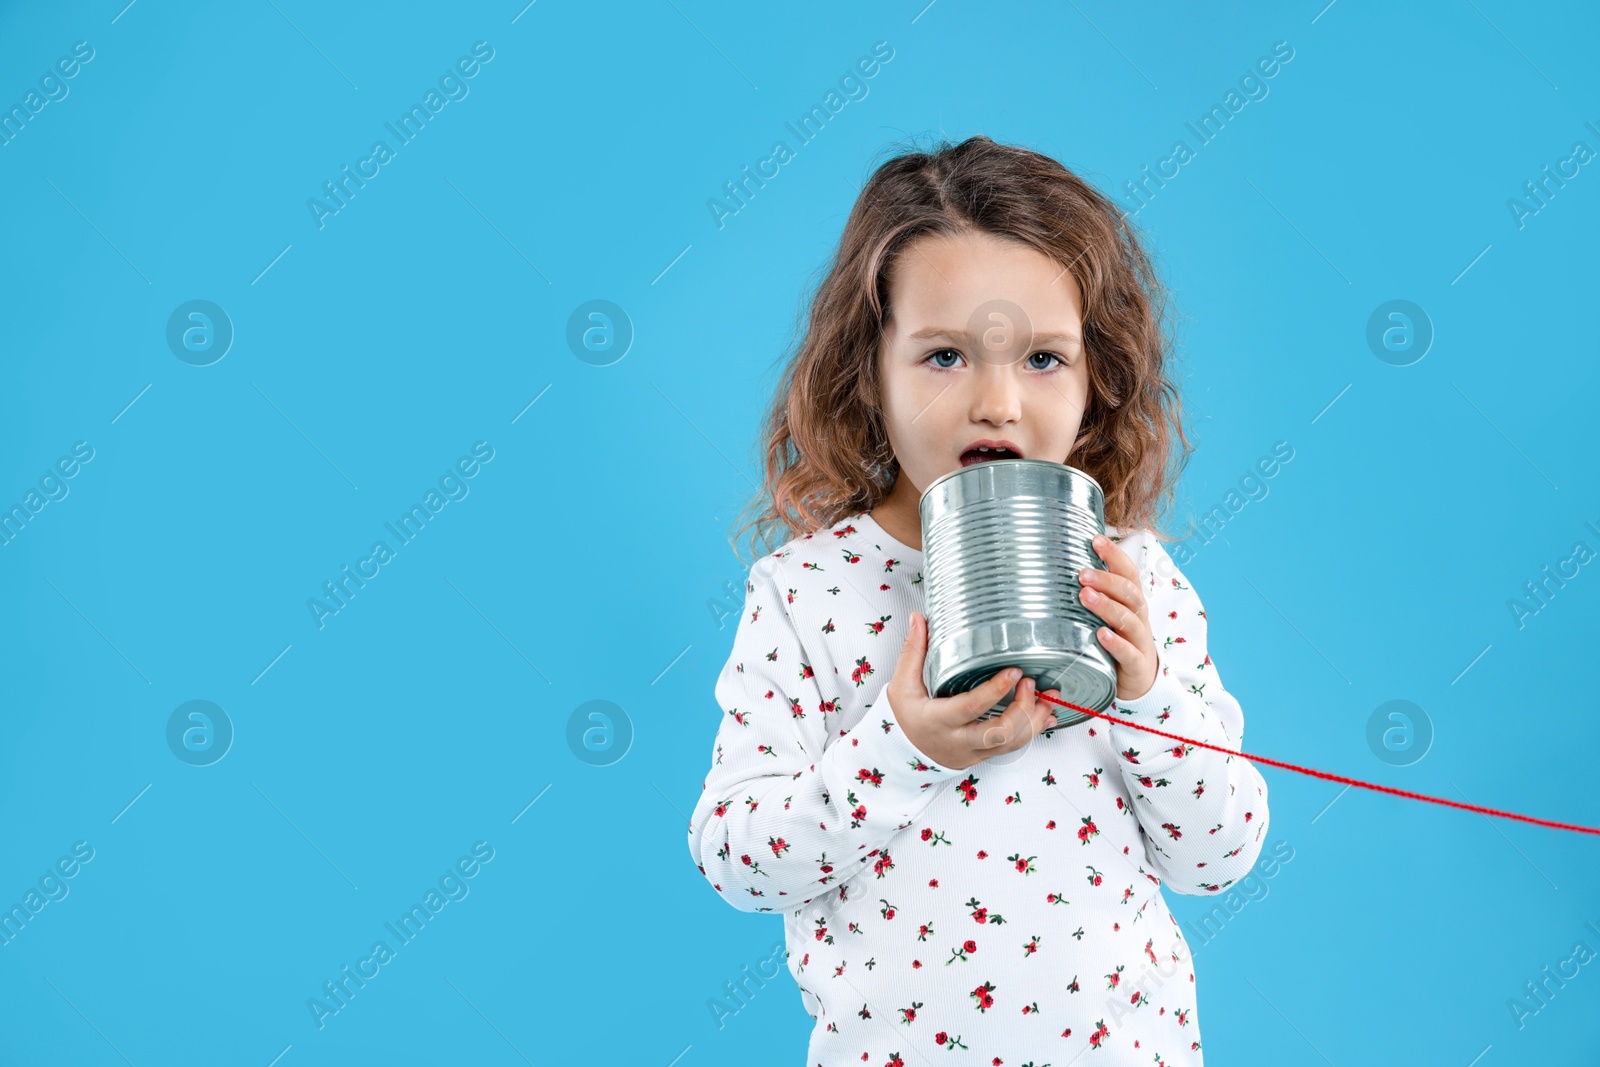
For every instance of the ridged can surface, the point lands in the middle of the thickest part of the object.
(1003, 541)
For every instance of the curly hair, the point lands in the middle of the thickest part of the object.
(827, 454)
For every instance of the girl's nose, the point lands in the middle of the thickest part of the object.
(997, 394)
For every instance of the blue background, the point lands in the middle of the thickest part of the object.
(590, 561)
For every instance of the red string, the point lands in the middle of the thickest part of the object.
(1323, 774)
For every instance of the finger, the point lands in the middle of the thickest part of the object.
(962, 708)
(1112, 611)
(968, 706)
(1116, 559)
(1015, 727)
(1124, 651)
(912, 655)
(1123, 590)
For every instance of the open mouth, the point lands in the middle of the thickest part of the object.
(983, 455)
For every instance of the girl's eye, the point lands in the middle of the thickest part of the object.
(1047, 355)
(944, 352)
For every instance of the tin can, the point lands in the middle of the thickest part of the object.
(1003, 541)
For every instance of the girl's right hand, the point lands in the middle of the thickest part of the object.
(946, 729)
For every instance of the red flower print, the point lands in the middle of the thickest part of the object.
(858, 812)
(1100, 1034)
(1087, 830)
(874, 776)
(967, 787)
(983, 996)
(877, 627)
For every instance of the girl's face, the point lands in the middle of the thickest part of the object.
(984, 344)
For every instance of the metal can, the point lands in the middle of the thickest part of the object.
(1003, 541)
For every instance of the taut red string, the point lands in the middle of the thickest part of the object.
(1324, 774)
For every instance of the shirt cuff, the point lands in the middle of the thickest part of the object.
(886, 773)
(1158, 704)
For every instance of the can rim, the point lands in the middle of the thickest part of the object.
(1019, 460)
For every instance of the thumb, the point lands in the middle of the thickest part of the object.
(915, 649)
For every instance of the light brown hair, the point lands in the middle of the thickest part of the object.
(827, 455)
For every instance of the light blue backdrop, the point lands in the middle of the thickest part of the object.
(586, 559)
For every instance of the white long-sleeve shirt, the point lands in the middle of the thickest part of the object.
(1009, 912)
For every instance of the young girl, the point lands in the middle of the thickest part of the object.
(989, 887)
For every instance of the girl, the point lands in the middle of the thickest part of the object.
(988, 887)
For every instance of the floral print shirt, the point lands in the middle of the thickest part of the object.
(1009, 913)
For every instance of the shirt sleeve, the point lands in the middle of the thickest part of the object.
(792, 805)
(1203, 813)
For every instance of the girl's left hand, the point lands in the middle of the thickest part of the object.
(1114, 595)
